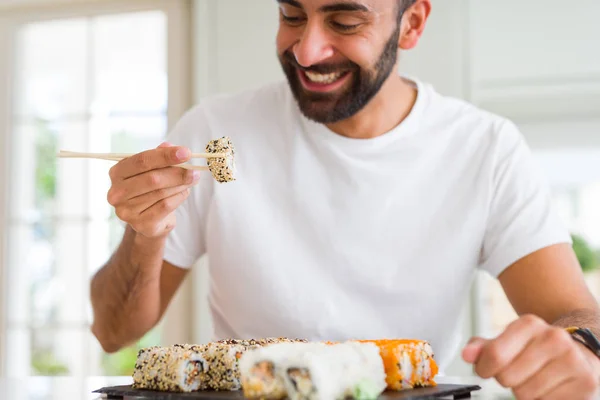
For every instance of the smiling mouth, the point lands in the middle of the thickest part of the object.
(316, 82)
(323, 78)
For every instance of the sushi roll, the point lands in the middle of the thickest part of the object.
(188, 368)
(222, 359)
(222, 168)
(408, 363)
(313, 371)
(175, 369)
(260, 372)
(260, 369)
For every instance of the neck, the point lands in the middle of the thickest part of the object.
(383, 113)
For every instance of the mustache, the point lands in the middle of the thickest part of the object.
(289, 58)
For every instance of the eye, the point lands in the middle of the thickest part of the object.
(292, 20)
(344, 27)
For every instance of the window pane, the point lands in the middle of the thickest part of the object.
(134, 134)
(51, 78)
(71, 174)
(18, 352)
(22, 201)
(95, 84)
(42, 186)
(57, 352)
(70, 274)
(47, 275)
(30, 260)
(130, 63)
(43, 288)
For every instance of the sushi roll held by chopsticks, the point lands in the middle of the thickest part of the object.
(219, 157)
(222, 168)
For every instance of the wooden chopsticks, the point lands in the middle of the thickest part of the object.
(121, 156)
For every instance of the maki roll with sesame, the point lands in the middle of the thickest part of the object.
(313, 371)
(222, 168)
(189, 368)
(172, 369)
(222, 359)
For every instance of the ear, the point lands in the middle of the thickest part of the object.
(413, 24)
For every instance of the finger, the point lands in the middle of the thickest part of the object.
(145, 201)
(547, 379)
(165, 144)
(163, 208)
(161, 157)
(151, 181)
(498, 353)
(473, 349)
(572, 390)
(551, 344)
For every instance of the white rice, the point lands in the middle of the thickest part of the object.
(346, 370)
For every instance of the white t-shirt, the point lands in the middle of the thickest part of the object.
(329, 238)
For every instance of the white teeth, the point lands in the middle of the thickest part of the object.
(323, 78)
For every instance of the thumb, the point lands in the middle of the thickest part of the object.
(473, 349)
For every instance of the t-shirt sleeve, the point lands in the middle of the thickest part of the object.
(521, 218)
(186, 243)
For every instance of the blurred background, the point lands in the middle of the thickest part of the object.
(114, 76)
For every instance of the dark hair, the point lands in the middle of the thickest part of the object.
(403, 5)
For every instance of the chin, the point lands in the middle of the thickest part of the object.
(324, 109)
(320, 116)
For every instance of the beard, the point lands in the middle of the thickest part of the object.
(327, 108)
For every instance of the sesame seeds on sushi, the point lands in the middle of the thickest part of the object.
(189, 368)
(173, 369)
(222, 168)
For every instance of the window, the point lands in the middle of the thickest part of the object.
(96, 81)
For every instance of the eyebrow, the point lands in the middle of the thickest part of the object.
(334, 7)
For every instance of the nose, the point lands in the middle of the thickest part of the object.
(313, 47)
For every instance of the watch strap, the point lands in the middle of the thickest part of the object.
(586, 338)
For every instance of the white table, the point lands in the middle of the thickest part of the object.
(73, 388)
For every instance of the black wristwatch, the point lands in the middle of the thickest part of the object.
(586, 338)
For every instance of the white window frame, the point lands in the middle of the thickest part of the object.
(179, 56)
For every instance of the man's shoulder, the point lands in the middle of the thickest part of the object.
(452, 106)
(464, 118)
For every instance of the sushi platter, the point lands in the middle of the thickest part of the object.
(440, 391)
(294, 369)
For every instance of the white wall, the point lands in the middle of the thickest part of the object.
(441, 57)
(235, 44)
(536, 62)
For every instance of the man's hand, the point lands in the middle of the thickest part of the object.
(537, 361)
(146, 189)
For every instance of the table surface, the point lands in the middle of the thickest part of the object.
(81, 388)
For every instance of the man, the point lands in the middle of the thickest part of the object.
(363, 206)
